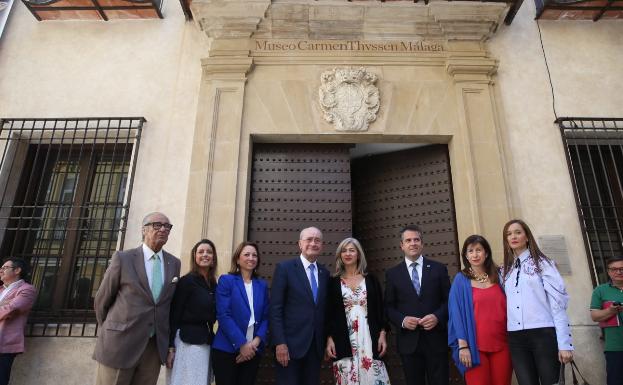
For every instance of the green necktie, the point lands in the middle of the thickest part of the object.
(156, 277)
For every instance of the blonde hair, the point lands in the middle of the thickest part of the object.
(362, 265)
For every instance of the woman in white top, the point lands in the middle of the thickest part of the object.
(539, 336)
(242, 314)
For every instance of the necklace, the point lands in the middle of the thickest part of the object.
(352, 281)
(484, 278)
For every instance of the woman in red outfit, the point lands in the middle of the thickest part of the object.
(477, 318)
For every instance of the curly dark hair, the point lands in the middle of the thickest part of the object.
(490, 267)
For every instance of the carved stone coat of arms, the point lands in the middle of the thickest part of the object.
(348, 98)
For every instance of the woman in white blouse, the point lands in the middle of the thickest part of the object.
(242, 314)
(539, 336)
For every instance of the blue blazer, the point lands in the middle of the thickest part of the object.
(233, 313)
(295, 319)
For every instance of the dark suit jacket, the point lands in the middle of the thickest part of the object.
(193, 310)
(233, 312)
(336, 326)
(126, 310)
(295, 319)
(402, 300)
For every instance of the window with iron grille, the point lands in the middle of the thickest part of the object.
(65, 189)
(595, 158)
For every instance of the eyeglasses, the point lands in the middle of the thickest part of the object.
(159, 225)
(616, 270)
(5, 268)
(312, 240)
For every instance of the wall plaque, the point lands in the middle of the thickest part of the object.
(555, 247)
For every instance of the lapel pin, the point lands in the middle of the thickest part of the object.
(175, 279)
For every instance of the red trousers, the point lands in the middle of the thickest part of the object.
(495, 369)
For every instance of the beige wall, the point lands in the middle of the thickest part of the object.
(59, 360)
(147, 68)
(585, 59)
(55, 360)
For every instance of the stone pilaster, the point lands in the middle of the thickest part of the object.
(211, 200)
(481, 194)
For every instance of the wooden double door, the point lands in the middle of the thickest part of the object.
(371, 198)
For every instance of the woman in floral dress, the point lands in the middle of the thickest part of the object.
(356, 324)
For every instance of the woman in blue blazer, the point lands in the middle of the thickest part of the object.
(242, 314)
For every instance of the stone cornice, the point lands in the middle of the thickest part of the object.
(229, 18)
(479, 70)
(226, 68)
(468, 21)
(336, 19)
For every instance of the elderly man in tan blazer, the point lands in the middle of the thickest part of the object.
(132, 309)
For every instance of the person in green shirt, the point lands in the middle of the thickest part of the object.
(605, 305)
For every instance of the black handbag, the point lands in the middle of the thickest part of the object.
(574, 369)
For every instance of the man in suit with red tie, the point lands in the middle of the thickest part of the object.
(132, 309)
(416, 299)
(297, 308)
(16, 299)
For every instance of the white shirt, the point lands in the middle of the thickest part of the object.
(248, 287)
(306, 264)
(7, 289)
(537, 300)
(420, 262)
(149, 263)
(418, 268)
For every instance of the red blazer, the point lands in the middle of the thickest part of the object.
(14, 310)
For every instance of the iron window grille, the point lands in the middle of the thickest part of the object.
(594, 150)
(65, 191)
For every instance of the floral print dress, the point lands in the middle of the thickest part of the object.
(361, 368)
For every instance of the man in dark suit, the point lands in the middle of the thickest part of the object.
(297, 307)
(132, 309)
(416, 299)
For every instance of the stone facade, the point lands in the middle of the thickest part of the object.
(249, 71)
